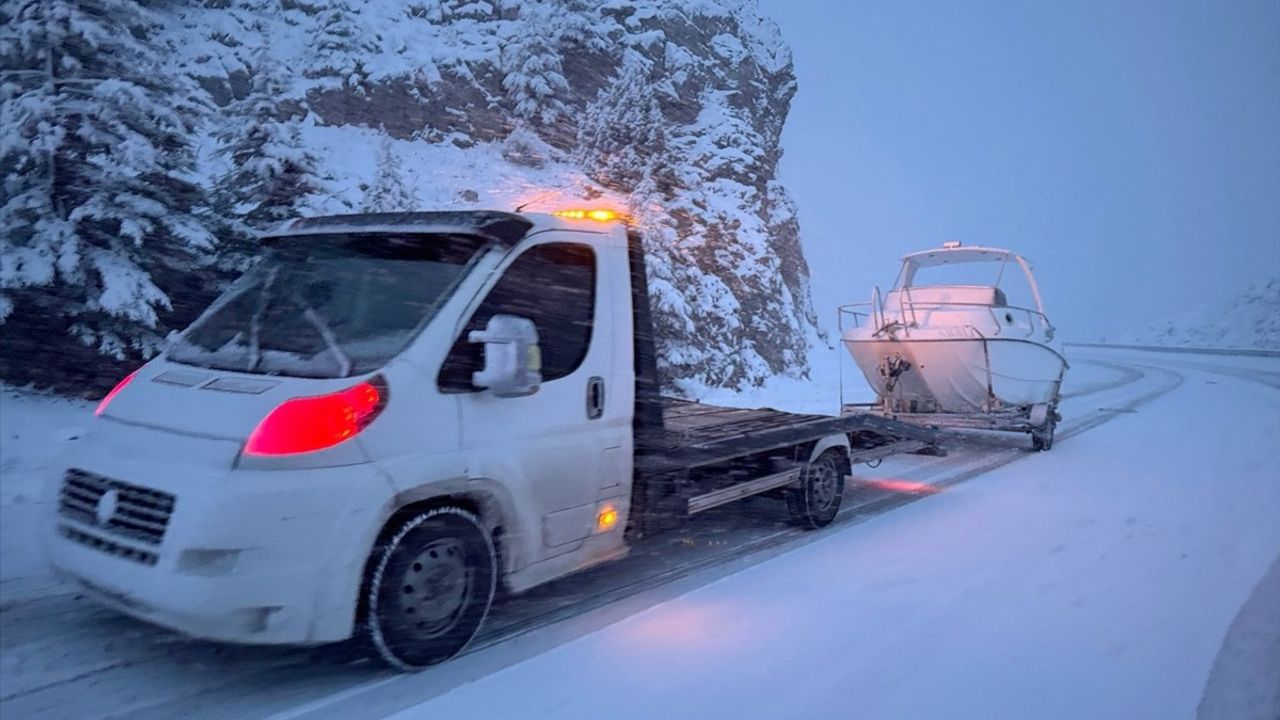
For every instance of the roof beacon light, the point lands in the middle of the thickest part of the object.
(951, 245)
(597, 215)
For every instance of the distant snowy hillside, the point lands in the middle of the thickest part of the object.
(1251, 320)
(670, 109)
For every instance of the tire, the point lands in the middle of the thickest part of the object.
(430, 589)
(815, 503)
(1042, 439)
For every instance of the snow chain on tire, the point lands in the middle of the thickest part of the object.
(379, 636)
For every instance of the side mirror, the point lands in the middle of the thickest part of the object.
(512, 358)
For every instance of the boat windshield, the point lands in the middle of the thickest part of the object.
(331, 305)
(984, 274)
(972, 268)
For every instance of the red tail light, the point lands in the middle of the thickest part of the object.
(307, 424)
(102, 406)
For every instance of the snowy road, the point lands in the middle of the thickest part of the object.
(1098, 580)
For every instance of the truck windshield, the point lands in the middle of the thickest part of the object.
(328, 306)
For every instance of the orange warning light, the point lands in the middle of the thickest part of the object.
(597, 215)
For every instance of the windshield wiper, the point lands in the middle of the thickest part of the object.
(330, 340)
(255, 322)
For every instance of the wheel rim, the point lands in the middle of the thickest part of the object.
(823, 485)
(434, 588)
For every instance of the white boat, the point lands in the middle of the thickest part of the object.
(946, 342)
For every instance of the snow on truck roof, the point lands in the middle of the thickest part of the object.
(958, 254)
(503, 227)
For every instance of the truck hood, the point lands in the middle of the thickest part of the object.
(208, 403)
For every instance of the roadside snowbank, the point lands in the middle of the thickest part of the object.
(1251, 320)
(830, 369)
(34, 431)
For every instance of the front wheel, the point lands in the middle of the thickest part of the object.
(816, 501)
(431, 588)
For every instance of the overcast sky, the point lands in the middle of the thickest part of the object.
(1130, 149)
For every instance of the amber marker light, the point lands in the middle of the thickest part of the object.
(607, 518)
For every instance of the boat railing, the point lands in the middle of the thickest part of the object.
(1036, 320)
(850, 312)
(907, 304)
(859, 312)
(909, 311)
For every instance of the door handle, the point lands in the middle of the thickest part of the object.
(595, 398)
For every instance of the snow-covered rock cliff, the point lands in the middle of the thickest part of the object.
(668, 109)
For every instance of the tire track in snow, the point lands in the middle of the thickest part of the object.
(990, 442)
(1269, 378)
(1128, 375)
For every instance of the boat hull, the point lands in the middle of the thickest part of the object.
(949, 374)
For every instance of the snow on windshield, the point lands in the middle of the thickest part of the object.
(328, 305)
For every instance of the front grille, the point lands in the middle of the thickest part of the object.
(109, 547)
(141, 514)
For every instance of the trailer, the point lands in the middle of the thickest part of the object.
(1040, 422)
(904, 357)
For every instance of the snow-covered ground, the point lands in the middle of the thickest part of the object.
(1110, 578)
(34, 429)
(1250, 320)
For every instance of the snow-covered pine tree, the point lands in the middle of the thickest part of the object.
(440, 11)
(389, 191)
(99, 216)
(621, 134)
(340, 46)
(532, 73)
(271, 172)
(217, 41)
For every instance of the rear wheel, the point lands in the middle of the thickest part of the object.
(431, 588)
(816, 501)
(1042, 438)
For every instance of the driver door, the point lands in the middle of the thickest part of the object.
(549, 446)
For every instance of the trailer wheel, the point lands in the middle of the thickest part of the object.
(815, 502)
(431, 588)
(1042, 438)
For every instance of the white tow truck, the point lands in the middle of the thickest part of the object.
(390, 415)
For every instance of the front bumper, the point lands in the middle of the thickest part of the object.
(254, 556)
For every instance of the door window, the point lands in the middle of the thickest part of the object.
(554, 286)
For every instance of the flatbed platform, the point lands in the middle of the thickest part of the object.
(697, 434)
